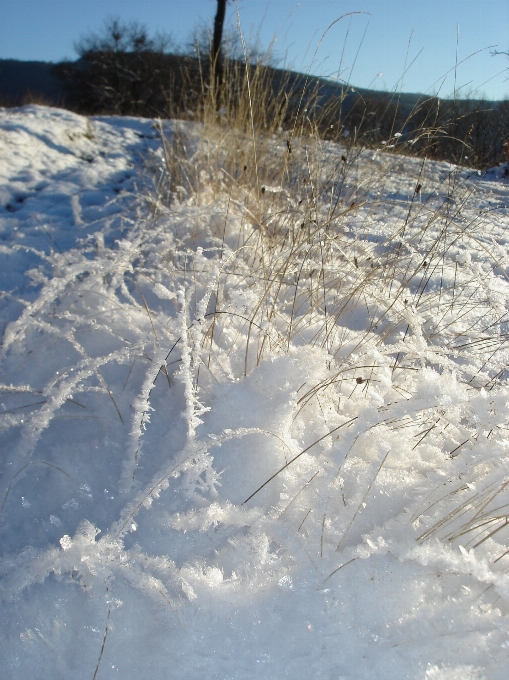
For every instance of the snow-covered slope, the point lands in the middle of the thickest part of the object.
(284, 461)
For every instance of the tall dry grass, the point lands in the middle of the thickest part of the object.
(349, 245)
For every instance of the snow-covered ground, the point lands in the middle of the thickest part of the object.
(246, 433)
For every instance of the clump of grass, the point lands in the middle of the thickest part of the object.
(303, 195)
(384, 305)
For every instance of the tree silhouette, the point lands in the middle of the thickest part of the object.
(217, 55)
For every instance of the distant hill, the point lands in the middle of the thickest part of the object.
(23, 80)
(473, 132)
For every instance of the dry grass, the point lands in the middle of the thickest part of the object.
(306, 242)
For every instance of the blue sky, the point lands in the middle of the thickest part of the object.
(411, 43)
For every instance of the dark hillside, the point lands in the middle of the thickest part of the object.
(21, 81)
(154, 83)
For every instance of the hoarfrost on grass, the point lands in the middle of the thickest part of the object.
(286, 427)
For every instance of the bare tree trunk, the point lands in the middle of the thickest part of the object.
(217, 56)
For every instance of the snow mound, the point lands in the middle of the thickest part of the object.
(241, 466)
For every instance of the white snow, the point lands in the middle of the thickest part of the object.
(219, 465)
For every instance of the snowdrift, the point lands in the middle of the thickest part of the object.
(249, 431)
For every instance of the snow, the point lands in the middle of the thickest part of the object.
(205, 474)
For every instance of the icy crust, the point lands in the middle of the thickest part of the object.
(207, 474)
